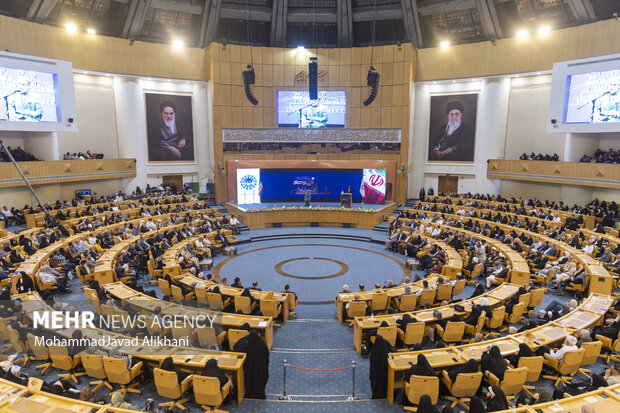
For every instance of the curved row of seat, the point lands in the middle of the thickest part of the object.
(590, 313)
(115, 371)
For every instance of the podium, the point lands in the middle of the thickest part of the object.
(345, 200)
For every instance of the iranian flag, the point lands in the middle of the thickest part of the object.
(373, 186)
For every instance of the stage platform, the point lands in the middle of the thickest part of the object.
(276, 214)
(300, 204)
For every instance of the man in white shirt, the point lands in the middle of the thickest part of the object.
(8, 215)
(589, 248)
(570, 343)
(150, 224)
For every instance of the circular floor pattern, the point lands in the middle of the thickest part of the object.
(320, 278)
(309, 267)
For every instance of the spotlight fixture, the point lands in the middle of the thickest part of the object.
(300, 48)
(71, 28)
(313, 74)
(372, 80)
(91, 31)
(544, 30)
(178, 44)
(249, 78)
(445, 44)
(522, 34)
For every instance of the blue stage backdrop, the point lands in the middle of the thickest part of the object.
(324, 184)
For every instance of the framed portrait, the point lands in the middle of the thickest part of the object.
(170, 132)
(452, 132)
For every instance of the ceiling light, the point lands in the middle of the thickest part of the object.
(454, 81)
(92, 31)
(445, 44)
(522, 34)
(178, 44)
(71, 28)
(538, 73)
(300, 48)
(544, 30)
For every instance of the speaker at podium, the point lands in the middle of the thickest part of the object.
(345, 200)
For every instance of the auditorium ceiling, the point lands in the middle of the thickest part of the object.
(312, 23)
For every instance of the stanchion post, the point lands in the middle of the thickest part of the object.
(353, 396)
(284, 396)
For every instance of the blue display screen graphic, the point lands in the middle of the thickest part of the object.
(291, 185)
(295, 109)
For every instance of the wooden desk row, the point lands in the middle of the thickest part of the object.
(36, 219)
(591, 312)
(603, 283)
(343, 298)
(484, 211)
(495, 298)
(146, 304)
(589, 221)
(604, 399)
(185, 357)
(519, 273)
(192, 283)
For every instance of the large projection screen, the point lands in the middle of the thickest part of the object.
(36, 94)
(585, 96)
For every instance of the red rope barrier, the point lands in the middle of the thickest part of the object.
(303, 368)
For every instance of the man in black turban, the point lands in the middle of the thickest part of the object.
(456, 139)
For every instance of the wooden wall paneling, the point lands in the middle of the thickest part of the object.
(269, 97)
(277, 56)
(247, 118)
(375, 116)
(289, 76)
(354, 114)
(384, 97)
(235, 53)
(387, 74)
(388, 54)
(225, 68)
(397, 95)
(345, 75)
(333, 75)
(334, 56)
(386, 117)
(245, 55)
(345, 57)
(266, 75)
(257, 117)
(277, 73)
(226, 95)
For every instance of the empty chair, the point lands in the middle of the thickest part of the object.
(235, 335)
(244, 304)
(18, 345)
(208, 338)
(183, 330)
(93, 364)
(566, 368)
(407, 302)
(465, 386)
(39, 353)
(453, 332)
(612, 345)
(167, 383)
(534, 367)
(118, 373)
(379, 302)
(63, 361)
(513, 381)
(593, 351)
(413, 334)
(417, 386)
(536, 297)
(207, 392)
